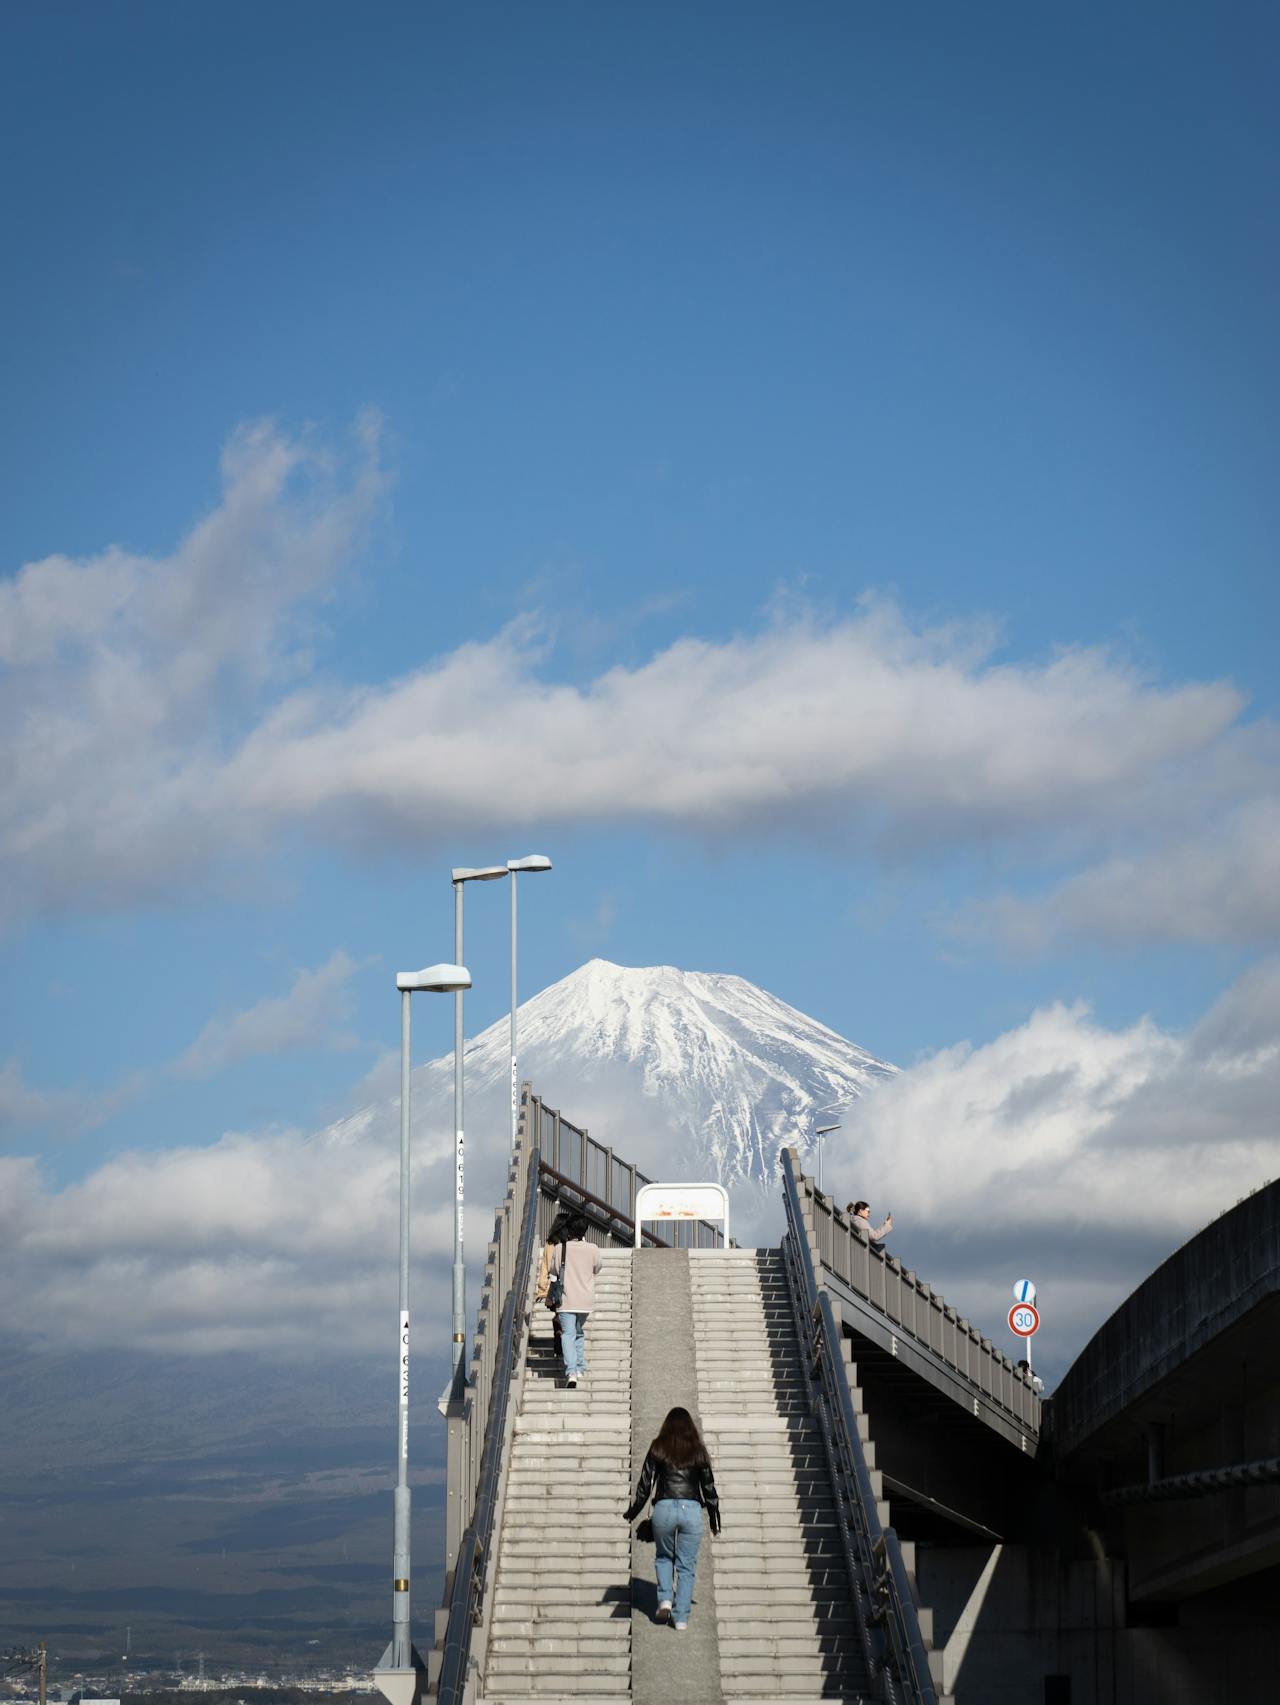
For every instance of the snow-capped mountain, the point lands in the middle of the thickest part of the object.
(699, 1075)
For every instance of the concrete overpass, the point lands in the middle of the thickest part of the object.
(1169, 1420)
(917, 1527)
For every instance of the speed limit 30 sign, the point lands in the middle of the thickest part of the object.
(1024, 1319)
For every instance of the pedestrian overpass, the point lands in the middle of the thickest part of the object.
(811, 1591)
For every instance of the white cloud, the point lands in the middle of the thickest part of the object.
(311, 1015)
(1062, 1151)
(268, 1243)
(913, 731)
(127, 678)
(58, 1112)
(1069, 1153)
(1219, 884)
(170, 721)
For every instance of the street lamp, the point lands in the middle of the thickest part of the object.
(517, 866)
(397, 1675)
(823, 1131)
(485, 873)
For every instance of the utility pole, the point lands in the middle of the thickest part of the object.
(19, 1657)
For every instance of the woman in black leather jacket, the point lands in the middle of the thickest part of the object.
(677, 1470)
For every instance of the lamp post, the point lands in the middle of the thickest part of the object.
(823, 1131)
(516, 866)
(397, 1675)
(485, 873)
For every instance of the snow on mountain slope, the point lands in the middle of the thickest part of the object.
(689, 1073)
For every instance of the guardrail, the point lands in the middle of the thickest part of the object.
(589, 1172)
(915, 1310)
(474, 1501)
(896, 1655)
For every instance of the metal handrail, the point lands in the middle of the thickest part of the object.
(915, 1311)
(565, 1145)
(467, 1585)
(897, 1658)
(569, 1187)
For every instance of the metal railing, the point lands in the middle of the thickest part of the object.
(478, 1413)
(896, 1655)
(585, 1171)
(916, 1311)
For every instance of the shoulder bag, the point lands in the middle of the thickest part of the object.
(555, 1289)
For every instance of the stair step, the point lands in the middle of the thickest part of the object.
(554, 1627)
(743, 1576)
(790, 1646)
(565, 1684)
(569, 1421)
(540, 1648)
(803, 1590)
(585, 1579)
(511, 1663)
(795, 1688)
(814, 1665)
(554, 1604)
(803, 1549)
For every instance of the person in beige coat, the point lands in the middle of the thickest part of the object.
(577, 1263)
(556, 1235)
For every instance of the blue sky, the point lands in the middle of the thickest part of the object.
(809, 470)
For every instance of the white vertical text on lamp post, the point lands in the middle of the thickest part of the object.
(821, 1132)
(397, 1674)
(518, 866)
(485, 873)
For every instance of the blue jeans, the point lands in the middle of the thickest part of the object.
(677, 1533)
(572, 1329)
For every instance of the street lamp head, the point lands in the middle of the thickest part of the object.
(824, 1130)
(535, 861)
(434, 980)
(485, 873)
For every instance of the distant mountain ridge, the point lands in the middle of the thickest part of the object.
(691, 1069)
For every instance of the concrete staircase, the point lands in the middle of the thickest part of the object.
(785, 1620)
(560, 1627)
(561, 1622)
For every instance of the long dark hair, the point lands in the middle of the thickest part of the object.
(558, 1230)
(679, 1443)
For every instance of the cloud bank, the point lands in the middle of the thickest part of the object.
(59, 1112)
(1063, 1151)
(1215, 882)
(125, 680)
(171, 719)
(311, 1015)
(1069, 1153)
(266, 1243)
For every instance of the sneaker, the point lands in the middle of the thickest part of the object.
(679, 1627)
(664, 1610)
(572, 1381)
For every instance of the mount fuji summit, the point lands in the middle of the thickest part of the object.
(686, 1073)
